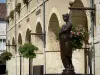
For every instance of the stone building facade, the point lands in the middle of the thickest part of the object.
(97, 40)
(31, 18)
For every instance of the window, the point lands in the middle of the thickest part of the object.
(4, 40)
(2, 44)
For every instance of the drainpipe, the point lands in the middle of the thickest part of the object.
(44, 31)
(16, 36)
(92, 32)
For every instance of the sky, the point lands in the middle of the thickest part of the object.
(2, 1)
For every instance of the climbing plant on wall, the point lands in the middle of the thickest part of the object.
(11, 14)
(18, 7)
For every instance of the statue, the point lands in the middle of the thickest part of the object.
(66, 45)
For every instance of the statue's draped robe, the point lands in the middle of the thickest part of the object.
(66, 45)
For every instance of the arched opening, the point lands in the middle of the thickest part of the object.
(80, 18)
(28, 37)
(53, 31)
(13, 47)
(8, 47)
(20, 59)
(53, 48)
(19, 40)
(39, 30)
(39, 38)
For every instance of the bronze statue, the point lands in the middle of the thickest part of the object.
(66, 45)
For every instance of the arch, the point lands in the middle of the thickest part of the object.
(55, 11)
(19, 39)
(8, 44)
(54, 24)
(39, 21)
(13, 43)
(79, 17)
(84, 2)
(28, 37)
(53, 31)
(39, 38)
(39, 30)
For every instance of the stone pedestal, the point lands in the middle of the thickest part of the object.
(68, 71)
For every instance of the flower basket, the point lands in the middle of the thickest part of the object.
(25, 2)
(11, 14)
(18, 7)
(79, 35)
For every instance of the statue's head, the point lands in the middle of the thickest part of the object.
(65, 17)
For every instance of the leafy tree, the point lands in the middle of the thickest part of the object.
(5, 56)
(28, 50)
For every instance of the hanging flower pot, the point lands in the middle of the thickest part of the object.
(18, 7)
(79, 35)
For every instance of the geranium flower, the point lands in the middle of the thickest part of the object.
(78, 33)
(72, 33)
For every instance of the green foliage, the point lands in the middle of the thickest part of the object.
(18, 7)
(11, 14)
(5, 56)
(28, 50)
(25, 2)
(77, 42)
